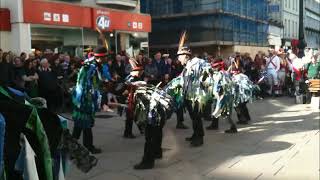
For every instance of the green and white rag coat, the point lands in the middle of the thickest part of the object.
(200, 83)
(86, 96)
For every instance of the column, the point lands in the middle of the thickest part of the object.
(21, 38)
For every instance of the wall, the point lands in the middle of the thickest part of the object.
(19, 39)
(250, 49)
(5, 43)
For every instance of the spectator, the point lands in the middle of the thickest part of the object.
(178, 68)
(166, 80)
(170, 69)
(205, 56)
(127, 66)
(48, 85)
(65, 65)
(259, 60)
(248, 65)
(20, 76)
(140, 59)
(72, 78)
(31, 56)
(118, 67)
(57, 69)
(150, 71)
(313, 68)
(160, 65)
(6, 70)
(283, 68)
(23, 57)
(35, 63)
(1, 54)
(31, 86)
(61, 57)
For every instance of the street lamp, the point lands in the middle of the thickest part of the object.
(302, 43)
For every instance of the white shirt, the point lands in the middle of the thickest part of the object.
(273, 60)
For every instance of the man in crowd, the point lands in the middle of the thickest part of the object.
(159, 63)
(20, 76)
(48, 85)
(118, 67)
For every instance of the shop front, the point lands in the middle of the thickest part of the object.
(64, 27)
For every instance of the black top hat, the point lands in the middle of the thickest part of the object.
(100, 51)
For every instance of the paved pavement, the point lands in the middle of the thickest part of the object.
(282, 142)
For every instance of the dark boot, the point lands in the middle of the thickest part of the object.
(196, 142)
(189, 138)
(94, 150)
(180, 125)
(143, 165)
(233, 129)
(243, 122)
(158, 155)
(214, 124)
(128, 129)
(129, 136)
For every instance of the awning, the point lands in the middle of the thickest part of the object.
(274, 40)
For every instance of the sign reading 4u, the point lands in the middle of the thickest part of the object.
(103, 22)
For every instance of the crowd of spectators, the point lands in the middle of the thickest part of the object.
(52, 76)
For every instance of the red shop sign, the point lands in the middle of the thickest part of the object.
(41, 12)
(5, 24)
(109, 20)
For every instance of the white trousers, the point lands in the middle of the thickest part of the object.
(273, 79)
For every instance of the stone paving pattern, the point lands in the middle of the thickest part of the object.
(281, 142)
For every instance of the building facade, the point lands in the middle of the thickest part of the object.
(216, 26)
(290, 20)
(275, 30)
(312, 23)
(70, 25)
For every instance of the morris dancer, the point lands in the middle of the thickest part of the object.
(135, 76)
(86, 99)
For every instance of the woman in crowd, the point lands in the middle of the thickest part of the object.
(6, 70)
(31, 86)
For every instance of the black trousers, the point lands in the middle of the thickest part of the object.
(128, 124)
(242, 112)
(87, 136)
(152, 146)
(195, 115)
(179, 112)
(207, 112)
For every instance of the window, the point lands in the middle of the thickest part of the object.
(289, 28)
(285, 27)
(289, 4)
(293, 29)
(285, 3)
